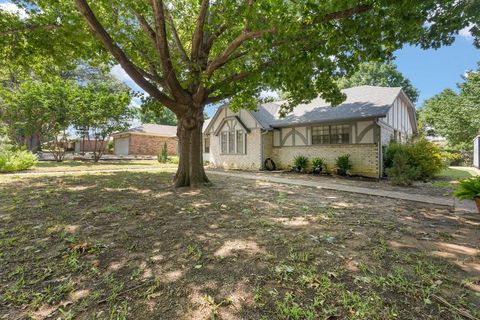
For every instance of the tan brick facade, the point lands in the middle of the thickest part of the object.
(143, 144)
(364, 157)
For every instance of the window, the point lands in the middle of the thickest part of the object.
(321, 135)
(206, 145)
(336, 134)
(223, 141)
(339, 134)
(240, 142)
(232, 142)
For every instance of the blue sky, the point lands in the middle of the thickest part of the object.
(431, 71)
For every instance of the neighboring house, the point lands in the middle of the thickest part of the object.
(206, 142)
(368, 119)
(476, 152)
(84, 145)
(147, 139)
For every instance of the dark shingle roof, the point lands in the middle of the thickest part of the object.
(361, 102)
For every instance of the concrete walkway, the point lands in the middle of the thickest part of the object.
(341, 187)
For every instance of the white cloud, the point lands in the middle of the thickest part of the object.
(465, 32)
(120, 74)
(13, 8)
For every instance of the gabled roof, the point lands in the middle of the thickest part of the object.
(153, 129)
(362, 102)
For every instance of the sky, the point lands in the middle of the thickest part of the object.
(430, 71)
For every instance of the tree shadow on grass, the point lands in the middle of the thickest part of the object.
(127, 243)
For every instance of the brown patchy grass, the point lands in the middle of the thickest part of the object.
(127, 245)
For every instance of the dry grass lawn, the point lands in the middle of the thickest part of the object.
(126, 245)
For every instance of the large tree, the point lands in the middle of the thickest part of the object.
(384, 74)
(38, 112)
(188, 53)
(456, 116)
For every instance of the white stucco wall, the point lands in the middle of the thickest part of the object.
(400, 118)
(476, 152)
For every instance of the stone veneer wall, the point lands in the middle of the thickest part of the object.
(141, 144)
(364, 157)
(252, 160)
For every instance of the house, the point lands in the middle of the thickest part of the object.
(367, 120)
(146, 139)
(476, 152)
(82, 145)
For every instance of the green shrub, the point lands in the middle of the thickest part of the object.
(318, 163)
(300, 162)
(468, 189)
(172, 160)
(402, 173)
(162, 156)
(343, 162)
(424, 158)
(16, 160)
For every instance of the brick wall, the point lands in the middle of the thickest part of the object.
(141, 144)
(364, 157)
(250, 161)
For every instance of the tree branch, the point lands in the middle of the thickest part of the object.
(234, 45)
(122, 58)
(232, 78)
(178, 42)
(346, 13)
(162, 43)
(30, 28)
(198, 33)
(146, 28)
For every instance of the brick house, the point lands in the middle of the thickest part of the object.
(367, 120)
(147, 139)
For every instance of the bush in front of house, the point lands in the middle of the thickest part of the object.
(401, 172)
(343, 164)
(318, 165)
(12, 159)
(422, 158)
(469, 189)
(162, 156)
(300, 163)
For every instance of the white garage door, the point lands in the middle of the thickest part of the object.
(121, 146)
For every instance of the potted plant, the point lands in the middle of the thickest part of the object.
(318, 164)
(469, 189)
(300, 163)
(343, 165)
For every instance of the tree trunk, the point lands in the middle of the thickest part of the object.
(190, 167)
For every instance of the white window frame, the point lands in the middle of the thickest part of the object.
(234, 148)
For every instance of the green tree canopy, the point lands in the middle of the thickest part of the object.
(380, 74)
(189, 53)
(37, 111)
(456, 116)
(151, 111)
(101, 110)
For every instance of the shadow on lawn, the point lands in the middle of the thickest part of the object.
(128, 243)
